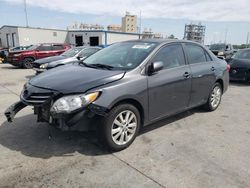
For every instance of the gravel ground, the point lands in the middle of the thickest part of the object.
(192, 149)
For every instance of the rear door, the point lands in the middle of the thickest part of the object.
(203, 73)
(169, 89)
(43, 51)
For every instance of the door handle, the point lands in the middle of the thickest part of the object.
(212, 69)
(186, 75)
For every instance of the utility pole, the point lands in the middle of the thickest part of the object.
(226, 36)
(140, 25)
(26, 15)
(247, 42)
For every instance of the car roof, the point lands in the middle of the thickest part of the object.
(161, 41)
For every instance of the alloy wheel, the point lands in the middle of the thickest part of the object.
(124, 127)
(215, 97)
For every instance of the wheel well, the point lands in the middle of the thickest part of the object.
(134, 103)
(220, 81)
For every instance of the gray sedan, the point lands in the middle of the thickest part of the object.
(70, 56)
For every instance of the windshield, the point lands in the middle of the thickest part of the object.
(71, 52)
(242, 54)
(122, 56)
(217, 47)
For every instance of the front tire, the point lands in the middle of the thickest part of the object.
(214, 98)
(120, 128)
(27, 63)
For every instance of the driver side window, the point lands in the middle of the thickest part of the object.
(171, 56)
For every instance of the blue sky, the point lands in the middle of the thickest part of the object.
(170, 19)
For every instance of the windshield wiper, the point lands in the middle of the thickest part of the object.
(103, 66)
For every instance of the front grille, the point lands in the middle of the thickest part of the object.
(36, 98)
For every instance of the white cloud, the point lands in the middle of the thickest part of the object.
(201, 10)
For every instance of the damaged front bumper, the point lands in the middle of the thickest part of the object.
(13, 110)
(83, 119)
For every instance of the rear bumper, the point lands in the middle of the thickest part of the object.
(239, 74)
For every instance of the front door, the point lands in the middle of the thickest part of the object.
(169, 89)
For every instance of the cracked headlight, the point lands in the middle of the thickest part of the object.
(71, 103)
(44, 66)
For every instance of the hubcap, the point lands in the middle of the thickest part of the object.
(124, 127)
(215, 97)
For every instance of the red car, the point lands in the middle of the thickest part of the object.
(24, 58)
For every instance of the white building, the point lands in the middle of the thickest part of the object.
(11, 36)
(97, 38)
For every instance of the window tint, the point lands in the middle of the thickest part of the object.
(88, 52)
(195, 54)
(58, 47)
(44, 48)
(171, 56)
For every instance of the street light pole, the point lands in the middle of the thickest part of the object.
(26, 15)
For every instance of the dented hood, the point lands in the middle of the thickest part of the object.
(75, 78)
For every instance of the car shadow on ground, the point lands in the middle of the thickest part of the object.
(40, 140)
(9, 67)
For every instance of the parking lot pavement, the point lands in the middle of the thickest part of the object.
(192, 149)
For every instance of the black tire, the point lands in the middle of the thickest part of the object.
(106, 127)
(209, 106)
(27, 63)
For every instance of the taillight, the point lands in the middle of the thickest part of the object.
(228, 67)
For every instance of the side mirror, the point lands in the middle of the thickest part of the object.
(155, 67)
(80, 58)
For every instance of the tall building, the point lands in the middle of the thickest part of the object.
(195, 32)
(129, 23)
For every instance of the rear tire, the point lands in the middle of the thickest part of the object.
(120, 128)
(27, 63)
(214, 98)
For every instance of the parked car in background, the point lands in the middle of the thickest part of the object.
(3, 54)
(240, 65)
(125, 86)
(72, 55)
(222, 50)
(18, 48)
(24, 58)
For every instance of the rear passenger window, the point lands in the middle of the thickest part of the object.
(44, 48)
(58, 47)
(195, 54)
(208, 56)
(171, 56)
